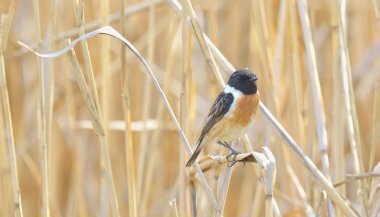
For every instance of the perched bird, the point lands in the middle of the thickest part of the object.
(231, 112)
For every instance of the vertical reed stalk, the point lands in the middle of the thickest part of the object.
(337, 132)
(129, 145)
(143, 146)
(79, 16)
(201, 40)
(184, 108)
(261, 29)
(224, 187)
(99, 130)
(43, 146)
(5, 24)
(349, 101)
(317, 94)
(374, 124)
(156, 150)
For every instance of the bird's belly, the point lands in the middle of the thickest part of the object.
(226, 130)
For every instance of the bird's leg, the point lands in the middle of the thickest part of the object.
(233, 153)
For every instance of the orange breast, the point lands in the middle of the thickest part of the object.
(231, 127)
(245, 109)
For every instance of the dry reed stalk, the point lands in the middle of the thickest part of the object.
(296, 69)
(182, 154)
(319, 111)
(349, 101)
(266, 170)
(80, 21)
(42, 123)
(375, 6)
(79, 16)
(263, 39)
(213, 20)
(173, 203)
(131, 10)
(129, 145)
(78, 196)
(337, 131)
(143, 148)
(278, 52)
(5, 24)
(257, 201)
(201, 40)
(155, 151)
(308, 208)
(104, 104)
(98, 128)
(269, 179)
(374, 124)
(5, 183)
(353, 130)
(53, 150)
(224, 187)
(185, 110)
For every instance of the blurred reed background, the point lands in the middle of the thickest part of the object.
(322, 87)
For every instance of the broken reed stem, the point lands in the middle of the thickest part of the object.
(98, 128)
(42, 118)
(128, 139)
(6, 21)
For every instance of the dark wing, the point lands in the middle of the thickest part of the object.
(220, 107)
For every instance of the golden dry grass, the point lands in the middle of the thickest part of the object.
(89, 134)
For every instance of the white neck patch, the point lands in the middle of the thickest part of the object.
(236, 93)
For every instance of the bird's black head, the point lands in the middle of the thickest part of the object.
(244, 81)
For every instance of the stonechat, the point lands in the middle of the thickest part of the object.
(232, 111)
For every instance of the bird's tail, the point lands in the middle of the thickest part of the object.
(194, 155)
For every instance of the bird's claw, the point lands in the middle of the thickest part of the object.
(233, 153)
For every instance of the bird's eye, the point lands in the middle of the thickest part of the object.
(239, 78)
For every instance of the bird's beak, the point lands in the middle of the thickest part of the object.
(253, 78)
